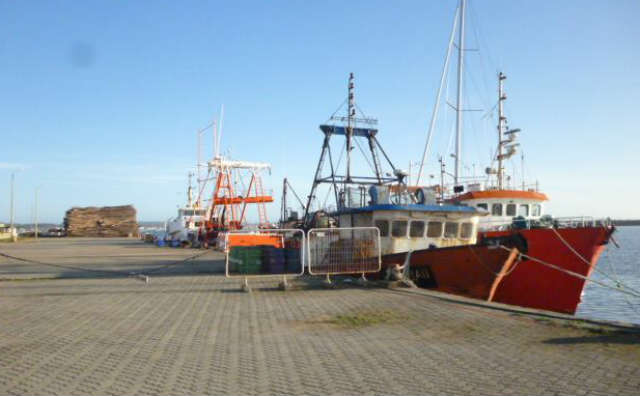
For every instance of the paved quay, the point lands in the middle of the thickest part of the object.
(191, 331)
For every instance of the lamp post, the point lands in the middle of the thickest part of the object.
(36, 212)
(11, 211)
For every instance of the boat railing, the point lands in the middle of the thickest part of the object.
(546, 222)
(581, 221)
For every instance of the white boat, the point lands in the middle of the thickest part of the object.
(186, 225)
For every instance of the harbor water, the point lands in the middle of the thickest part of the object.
(622, 264)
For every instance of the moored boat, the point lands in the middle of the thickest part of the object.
(560, 253)
(557, 255)
(440, 237)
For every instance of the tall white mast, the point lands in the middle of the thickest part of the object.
(434, 115)
(219, 131)
(459, 98)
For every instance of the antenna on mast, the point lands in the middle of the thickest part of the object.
(351, 113)
(506, 137)
(190, 192)
(522, 167)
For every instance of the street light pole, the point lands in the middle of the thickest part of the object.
(36, 210)
(11, 212)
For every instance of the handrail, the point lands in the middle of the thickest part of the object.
(545, 222)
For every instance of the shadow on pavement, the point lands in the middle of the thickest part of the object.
(609, 338)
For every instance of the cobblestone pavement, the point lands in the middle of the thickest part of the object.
(200, 335)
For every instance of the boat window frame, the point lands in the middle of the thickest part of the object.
(411, 229)
(462, 230)
(385, 232)
(515, 209)
(457, 230)
(524, 206)
(483, 205)
(536, 210)
(493, 209)
(406, 228)
(428, 235)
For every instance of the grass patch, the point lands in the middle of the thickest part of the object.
(361, 319)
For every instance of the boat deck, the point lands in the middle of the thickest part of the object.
(190, 330)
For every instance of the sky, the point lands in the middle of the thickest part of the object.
(101, 101)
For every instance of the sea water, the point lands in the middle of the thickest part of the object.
(622, 264)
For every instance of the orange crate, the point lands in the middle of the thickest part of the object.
(255, 240)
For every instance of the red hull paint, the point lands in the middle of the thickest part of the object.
(472, 271)
(491, 274)
(535, 285)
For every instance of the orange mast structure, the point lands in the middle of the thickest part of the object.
(228, 206)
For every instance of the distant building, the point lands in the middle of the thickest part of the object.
(6, 232)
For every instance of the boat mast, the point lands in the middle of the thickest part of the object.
(501, 121)
(506, 137)
(459, 97)
(351, 112)
(434, 115)
(283, 207)
(190, 192)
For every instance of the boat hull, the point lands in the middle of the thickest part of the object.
(492, 273)
(472, 270)
(535, 285)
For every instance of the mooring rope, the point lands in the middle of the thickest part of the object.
(619, 283)
(630, 291)
(195, 256)
(30, 261)
(106, 271)
(518, 260)
(604, 274)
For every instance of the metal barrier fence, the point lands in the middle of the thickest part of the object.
(277, 252)
(332, 251)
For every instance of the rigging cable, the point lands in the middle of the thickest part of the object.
(631, 293)
(604, 274)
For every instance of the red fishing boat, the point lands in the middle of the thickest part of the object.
(557, 255)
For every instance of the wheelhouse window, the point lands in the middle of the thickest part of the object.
(536, 210)
(483, 206)
(496, 209)
(523, 210)
(434, 229)
(399, 228)
(416, 229)
(450, 230)
(511, 209)
(383, 226)
(466, 231)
